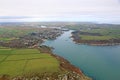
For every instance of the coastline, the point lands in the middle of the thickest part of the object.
(68, 66)
(65, 64)
(94, 44)
(70, 71)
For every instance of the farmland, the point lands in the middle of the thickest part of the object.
(15, 62)
(106, 32)
(97, 35)
(10, 33)
(20, 64)
(22, 36)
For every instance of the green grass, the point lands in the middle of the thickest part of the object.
(13, 32)
(2, 57)
(28, 56)
(87, 37)
(12, 67)
(7, 39)
(44, 65)
(5, 51)
(15, 62)
(106, 32)
(25, 51)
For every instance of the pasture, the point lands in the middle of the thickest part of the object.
(15, 62)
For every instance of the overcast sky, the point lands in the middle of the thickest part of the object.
(60, 10)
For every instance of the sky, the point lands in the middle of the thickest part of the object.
(102, 11)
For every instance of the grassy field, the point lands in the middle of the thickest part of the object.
(15, 62)
(115, 33)
(108, 31)
(88, 37)
(106, 34)
(13, 32)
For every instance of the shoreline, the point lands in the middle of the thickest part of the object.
(108, 42)
(68, 66)
(65, 64)
(93, 44)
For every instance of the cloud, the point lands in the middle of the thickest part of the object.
(14, 17)
(58, 9)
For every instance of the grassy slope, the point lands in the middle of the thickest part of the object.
(17, 62)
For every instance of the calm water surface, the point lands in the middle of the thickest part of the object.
(98, 62)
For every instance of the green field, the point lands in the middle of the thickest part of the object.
(13, 32)
(15, 62)
(108, 31)
(106, 34)
(114, 33)
(88, 37)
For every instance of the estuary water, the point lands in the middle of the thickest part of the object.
(98, 62)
